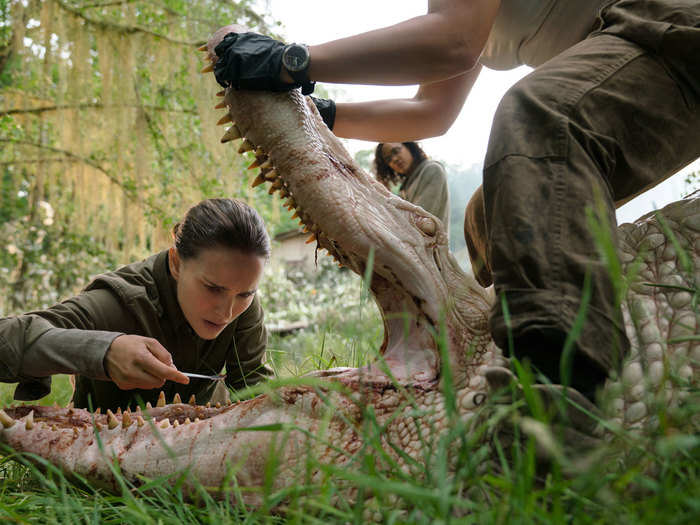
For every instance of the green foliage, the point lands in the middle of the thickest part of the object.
(462, 183)
(692, 183)
(365, 159)
(343, 324)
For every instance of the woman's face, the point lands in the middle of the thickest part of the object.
(398, 157)
(215, 287)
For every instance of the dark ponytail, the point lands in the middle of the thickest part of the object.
(228, 223)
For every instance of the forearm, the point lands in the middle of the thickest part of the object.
(429, 113)
(35, 348)
(441, 44)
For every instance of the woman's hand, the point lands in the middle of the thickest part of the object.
(133, 361)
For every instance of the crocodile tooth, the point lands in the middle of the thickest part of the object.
(259, 152)
(271, 190)
(196, 420)
(296, 214)
(29, 421)
(311, 239)
(278, 184)
(148, 405)
(128, 411)
(265, 165)
(112, 421)
(176, 423)
(165, 423)
(232, 133)
(225, 119)
(284, 193)
(246, 145)
(126, 420)
(187, 421)
(98, 410)
(139, 421)
(176, 399)
(258, 180)
(119, 411)
(257, 162)
(193, 400)
(70, 405)
(220, 105)
(54, 428)
(271, 175)
(221, 93)
(202, 48)
(75, 432)
(218, 405)
(161, 399)
(208, 68)
(208, 405)
(98, 426)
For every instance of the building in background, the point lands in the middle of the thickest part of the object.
(292, 252)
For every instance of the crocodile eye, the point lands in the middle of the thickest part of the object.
(426, 225)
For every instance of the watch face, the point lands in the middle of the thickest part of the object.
(295, 58)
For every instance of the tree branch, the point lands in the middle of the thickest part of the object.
(119, 28)
(35, 161)
(107, 4)
(89, 105)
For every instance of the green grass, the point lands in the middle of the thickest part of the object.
(466, 476)
(643, 479)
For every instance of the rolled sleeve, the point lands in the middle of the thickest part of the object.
(69, 338)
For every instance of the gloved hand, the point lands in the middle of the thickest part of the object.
(250, 61)
(326, 107)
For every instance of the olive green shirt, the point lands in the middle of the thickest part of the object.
(138, 299)
(426, 186)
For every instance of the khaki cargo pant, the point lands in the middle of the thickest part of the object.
(593, 127)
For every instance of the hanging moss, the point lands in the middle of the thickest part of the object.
(111, 126)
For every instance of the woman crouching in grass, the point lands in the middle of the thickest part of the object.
(127, 336)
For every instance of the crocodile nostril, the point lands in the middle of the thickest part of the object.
(426, 225)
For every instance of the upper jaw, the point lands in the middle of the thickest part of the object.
(352, 215)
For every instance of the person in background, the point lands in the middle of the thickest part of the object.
(192, 307)
(423, 182)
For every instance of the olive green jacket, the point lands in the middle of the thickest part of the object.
(138, 299)
(426, 186)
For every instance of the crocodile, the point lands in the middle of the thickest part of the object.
(436, 352)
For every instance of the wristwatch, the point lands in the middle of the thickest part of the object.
(296, 60)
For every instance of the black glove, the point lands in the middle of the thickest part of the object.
(250, 61)
(326, 107)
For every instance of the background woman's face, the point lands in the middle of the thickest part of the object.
(215, 287)
(398, 157)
